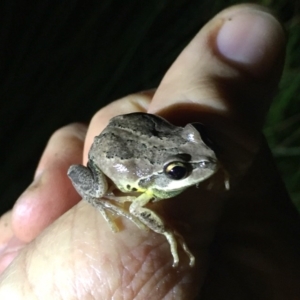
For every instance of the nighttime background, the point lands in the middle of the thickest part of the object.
(61, 61)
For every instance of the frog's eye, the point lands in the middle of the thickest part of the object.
(176, 170)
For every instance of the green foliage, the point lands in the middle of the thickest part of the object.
(282, 127)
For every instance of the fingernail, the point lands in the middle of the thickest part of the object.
(250, 38)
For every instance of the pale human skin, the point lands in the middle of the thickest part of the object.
(251, 233)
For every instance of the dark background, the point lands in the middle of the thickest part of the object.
(61, 61)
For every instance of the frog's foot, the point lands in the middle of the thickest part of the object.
(113, 226)
(119, 199)
(102, 205)
(110, 195)
(154, 222)
(226, 180)
(185, 247)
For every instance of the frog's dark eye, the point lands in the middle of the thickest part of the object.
(176, 170)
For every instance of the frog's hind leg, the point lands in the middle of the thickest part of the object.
(99, 205)
(102, 205)
(185, 247)
(154, 222)
(111, 222)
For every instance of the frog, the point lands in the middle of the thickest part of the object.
(147, 159)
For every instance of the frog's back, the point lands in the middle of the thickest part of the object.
(136, 140)
(136, 147)
(143, 124)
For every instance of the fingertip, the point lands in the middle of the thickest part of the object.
(250, 37)
(46, 199)
(229, 70)
(51, 194)
(65, 145)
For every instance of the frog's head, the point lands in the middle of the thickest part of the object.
(194, 162)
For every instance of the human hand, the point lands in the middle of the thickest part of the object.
(246, 246)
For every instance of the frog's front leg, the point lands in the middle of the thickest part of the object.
(154, 222)
(91, 184)
(88, 181)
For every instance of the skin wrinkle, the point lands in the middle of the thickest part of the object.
(88, 291)
(139, 101)
(164, 281)
(73, 261)
(207, 103)
(128, 288)
(111, 289)
(55, 286)
(135, 273)
(56, 270)
(156, 279)
(26, 270)
(108, 285)
(145, 265)
(87, 283)
(143, 283)
(171, 294)
(175, 286)
(94, 293)
(211, 97)
(88, 287)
